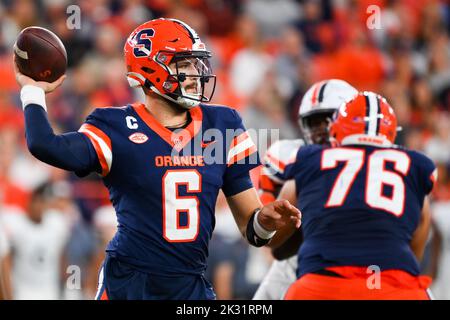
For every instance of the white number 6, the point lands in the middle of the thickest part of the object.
(173, 204)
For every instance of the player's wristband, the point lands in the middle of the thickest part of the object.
(259, 229)
(32, 95)
(256, 235)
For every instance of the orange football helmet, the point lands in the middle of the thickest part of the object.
(365, 119)
(161, 54)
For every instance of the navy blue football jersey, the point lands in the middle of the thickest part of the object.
(360, 205)
(164, 184)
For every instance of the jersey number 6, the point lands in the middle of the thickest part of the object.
(174, 204)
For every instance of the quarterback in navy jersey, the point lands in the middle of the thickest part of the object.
(163, 162)
(364, 208)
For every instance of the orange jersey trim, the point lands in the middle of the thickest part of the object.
(102, 145)
(178, 140)
(239, 139)
(244, 154)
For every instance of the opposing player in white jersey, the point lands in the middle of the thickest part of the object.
(37, 240)
(316, 109)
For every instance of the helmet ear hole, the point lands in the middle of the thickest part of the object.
(147, 70)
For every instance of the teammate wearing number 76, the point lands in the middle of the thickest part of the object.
(163, 161)
(365, 209)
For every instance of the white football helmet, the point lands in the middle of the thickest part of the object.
(321, 100)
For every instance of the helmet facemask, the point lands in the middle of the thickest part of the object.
(190, 79)
(315, 127)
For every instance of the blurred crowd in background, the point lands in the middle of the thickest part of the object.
(266, 53)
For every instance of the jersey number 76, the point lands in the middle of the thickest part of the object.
(377, 177)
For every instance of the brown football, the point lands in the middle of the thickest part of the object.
(40, 54)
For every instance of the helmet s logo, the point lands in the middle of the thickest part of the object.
(153, 46)
(143, 44)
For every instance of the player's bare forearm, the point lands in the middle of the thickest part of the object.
(242, 206)
(5, 278)
(420, 236)
(282, 235)
(289, 247)
(436, 249)
(288, 192)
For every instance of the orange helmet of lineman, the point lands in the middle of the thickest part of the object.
(366, 119)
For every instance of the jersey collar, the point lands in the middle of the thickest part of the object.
(178, 139)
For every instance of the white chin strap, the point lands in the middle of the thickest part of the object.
(133, 82)
(185, 102)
